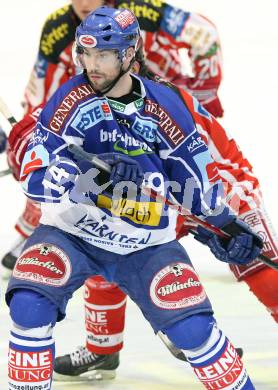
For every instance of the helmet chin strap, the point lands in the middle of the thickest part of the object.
(114, 82)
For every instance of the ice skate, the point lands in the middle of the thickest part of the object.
(9, 259)
(83, 365)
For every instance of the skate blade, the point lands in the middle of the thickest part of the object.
(98, 375)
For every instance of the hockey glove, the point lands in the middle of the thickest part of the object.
(124, 168)
(243, 247)
(18, 140)
(3, 140)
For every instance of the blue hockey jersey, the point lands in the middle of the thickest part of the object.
(157, 130)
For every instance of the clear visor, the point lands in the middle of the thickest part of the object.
(99, 56)
(76, 56)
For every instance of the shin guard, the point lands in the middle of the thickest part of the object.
(218, 366)
(31, 358)
(105, 306)
(211, 355)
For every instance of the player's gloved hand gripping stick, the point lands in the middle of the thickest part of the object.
(201, 225)
(104, 166)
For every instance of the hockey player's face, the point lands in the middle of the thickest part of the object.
(102, 66)
(82, 8)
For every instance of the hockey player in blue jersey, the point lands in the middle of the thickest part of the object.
(94, 224)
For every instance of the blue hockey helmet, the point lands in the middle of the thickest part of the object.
(108, 28)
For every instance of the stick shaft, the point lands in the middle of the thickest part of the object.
(5, 172)
(6, 113)
(76, 150)
(178, 353)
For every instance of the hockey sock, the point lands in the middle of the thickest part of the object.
(105, 306)
(264, 284)
(218, 366)
(31, 358)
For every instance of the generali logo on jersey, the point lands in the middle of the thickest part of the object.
(169, 128)
(30, 367)
(43, 263)
(75, 96)
(176, 286)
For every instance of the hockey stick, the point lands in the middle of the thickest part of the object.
(6, 113)
(176, 352)
(148, 191)
(5, 172)
(102, 165)
(80, 153)
(11, 119)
